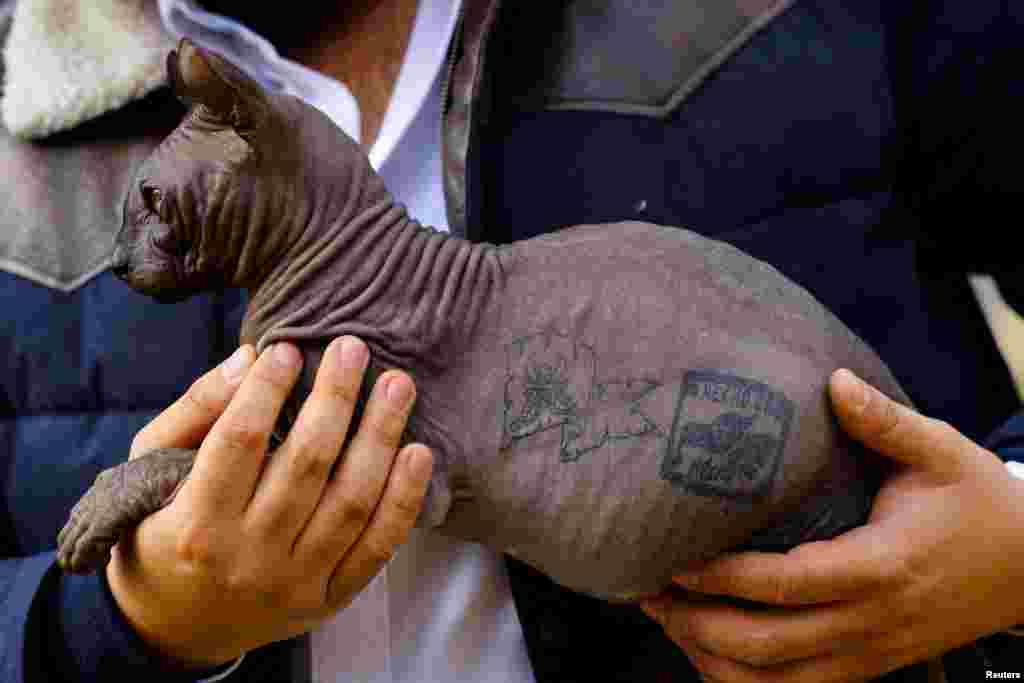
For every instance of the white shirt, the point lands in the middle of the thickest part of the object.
(441, 611)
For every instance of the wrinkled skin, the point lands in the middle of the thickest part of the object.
(640, 398)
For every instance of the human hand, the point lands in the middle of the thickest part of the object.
(938, 564)
(253, 550)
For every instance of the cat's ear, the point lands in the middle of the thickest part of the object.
(201, 77)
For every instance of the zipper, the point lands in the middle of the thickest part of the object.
(457, 215)
(477, 119)
(449, 65)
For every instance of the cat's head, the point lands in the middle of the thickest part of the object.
(231, 187)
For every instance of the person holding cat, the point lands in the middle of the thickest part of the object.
(721, 130)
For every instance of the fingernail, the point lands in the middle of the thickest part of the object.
(418, 461)
(235, 366)
(397, 389)
(853, 389)
(286, 356)
(353, 352)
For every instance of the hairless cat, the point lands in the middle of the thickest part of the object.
(640, 398)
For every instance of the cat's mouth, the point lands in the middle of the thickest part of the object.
(120, 262)
(151, 272)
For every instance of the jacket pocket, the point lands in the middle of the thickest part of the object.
(625, 57)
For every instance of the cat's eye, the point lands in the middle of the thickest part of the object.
(152, 197)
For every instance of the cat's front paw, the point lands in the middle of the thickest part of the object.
(95, 525)
(119, 499)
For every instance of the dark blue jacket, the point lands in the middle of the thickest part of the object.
(868, 151)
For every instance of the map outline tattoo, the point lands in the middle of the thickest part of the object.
(551, 383)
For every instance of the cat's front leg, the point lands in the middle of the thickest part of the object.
(120, 498)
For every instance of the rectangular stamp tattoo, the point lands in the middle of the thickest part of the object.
(728, 436)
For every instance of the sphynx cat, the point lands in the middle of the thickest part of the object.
(609, 403)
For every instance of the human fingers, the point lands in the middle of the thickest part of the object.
(894, 430)
(186, 422)
(388, 529)
(295, 478)
(855, 666)
(353, 492)
(853, 564)
(768, 636)
(232, 455)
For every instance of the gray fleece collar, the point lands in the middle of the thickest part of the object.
(68, 61)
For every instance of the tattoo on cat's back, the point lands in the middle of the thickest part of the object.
(552, 382)
(728, 435)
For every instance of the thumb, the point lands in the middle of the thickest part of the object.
(186, 422)
(895, 430)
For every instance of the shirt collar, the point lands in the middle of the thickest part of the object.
(424, 57)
